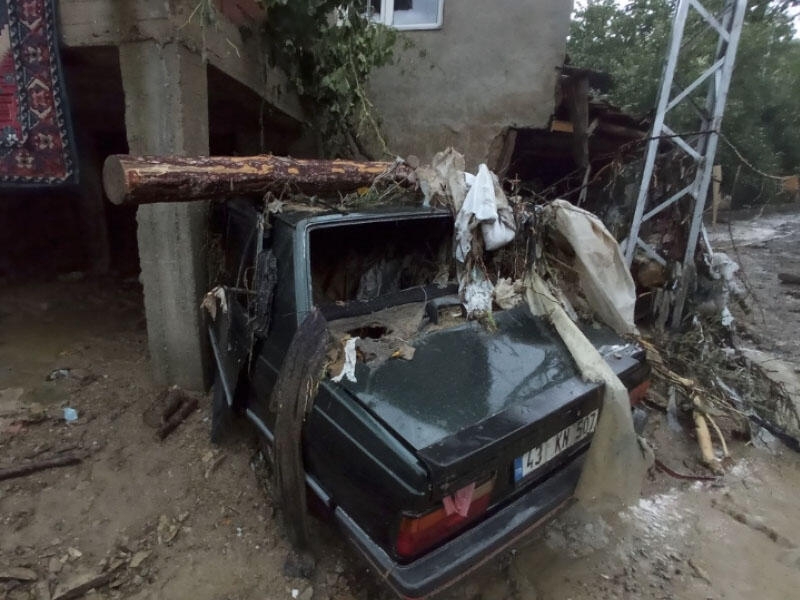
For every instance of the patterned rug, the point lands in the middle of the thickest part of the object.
(36, 143)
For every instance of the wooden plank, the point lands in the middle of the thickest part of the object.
(578, 103)
(621, 131)
(503, 160)
(114, 22)
(561, 126)
(242, 59)
(33, 467)
(716, 197)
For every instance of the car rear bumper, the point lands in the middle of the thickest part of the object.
(448, 563)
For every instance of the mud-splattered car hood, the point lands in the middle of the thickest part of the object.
(464, 375)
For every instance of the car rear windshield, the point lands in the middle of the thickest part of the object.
(365, 262)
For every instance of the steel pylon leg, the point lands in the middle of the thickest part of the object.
(716, 79)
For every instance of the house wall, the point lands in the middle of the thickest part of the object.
(492, 65)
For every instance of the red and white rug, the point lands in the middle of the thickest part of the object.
(36, 143)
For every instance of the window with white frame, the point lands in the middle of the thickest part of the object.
(408, 14)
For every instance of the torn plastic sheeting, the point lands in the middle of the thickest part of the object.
(476, 292)
(459, 502)
(615, 463)
(349, 368)
(504, 229)
(444, 179)
(605, 280)
(724, 270)
(481, 208)
(507, 293)
(210, 300)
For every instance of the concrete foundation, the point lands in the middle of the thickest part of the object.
(166, 112)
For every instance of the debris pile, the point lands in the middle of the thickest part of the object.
(561, 260)
(747, 393)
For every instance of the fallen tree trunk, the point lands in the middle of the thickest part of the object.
(33, 467)
(148, 179)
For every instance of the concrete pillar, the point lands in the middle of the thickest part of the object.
(166, 112)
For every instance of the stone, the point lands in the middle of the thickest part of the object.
(306, 594)
(42, 590)
(54, 565)
(166, 530)
(10, 404)
(80, 584)
(139, 558)
(18, 574)
(74, 553)
(299, 565)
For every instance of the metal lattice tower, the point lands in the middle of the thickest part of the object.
(715, 80)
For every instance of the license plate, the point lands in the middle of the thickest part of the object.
(563, 440)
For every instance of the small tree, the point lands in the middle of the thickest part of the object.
(328, 48)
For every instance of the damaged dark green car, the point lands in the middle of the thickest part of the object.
(445, 440)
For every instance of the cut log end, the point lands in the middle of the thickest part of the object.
(114, 179)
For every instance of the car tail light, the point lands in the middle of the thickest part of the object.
(638, 393)
(417, 534)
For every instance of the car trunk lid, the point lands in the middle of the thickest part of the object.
(471, 400)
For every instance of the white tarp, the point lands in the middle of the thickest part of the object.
(479, 204)
(444, 179)
(605, 280)
(486, 206)
(349, 367)
(616, 462)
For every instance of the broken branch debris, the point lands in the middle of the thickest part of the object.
(790, 278)
(673, 473)
(143, 180)
(174, 401)
(187, 406)
(753, 522)
(40, 465)
(82, 584)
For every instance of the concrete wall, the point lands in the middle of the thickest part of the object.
(492, 65)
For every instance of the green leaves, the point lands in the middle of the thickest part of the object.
(328, 48)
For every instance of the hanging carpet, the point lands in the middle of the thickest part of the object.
(36, 143)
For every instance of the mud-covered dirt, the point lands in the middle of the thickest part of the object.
(184, 519)
(763, 246)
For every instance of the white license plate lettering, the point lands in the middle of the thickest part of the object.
(555, 445)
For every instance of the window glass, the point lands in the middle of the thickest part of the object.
(409, 13)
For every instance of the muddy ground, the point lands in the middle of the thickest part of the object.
(763, 246)
(184, 519)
